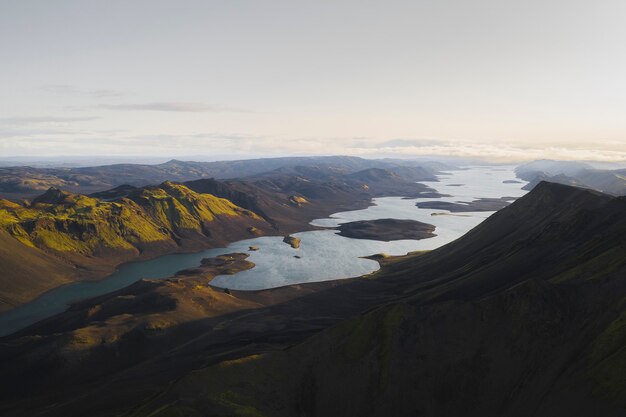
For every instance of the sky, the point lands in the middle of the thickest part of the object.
(496, 79)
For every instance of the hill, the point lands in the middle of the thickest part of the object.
(91, 234)
(289, 198)
(521, 316)
(77, 237)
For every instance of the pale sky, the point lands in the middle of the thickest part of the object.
(499, 79)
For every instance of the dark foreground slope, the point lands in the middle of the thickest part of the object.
(522, 316)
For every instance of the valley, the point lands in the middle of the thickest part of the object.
(276, 263)
(312, 209)
(259, 309)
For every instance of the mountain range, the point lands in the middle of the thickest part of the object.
(59, 236)
(523, 315)
(574, 173)
(24, 181)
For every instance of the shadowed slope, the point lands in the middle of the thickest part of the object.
(522, 316)
(27, 271)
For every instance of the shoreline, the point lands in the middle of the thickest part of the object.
(95, 276)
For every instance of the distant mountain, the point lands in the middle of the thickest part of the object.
(314, 182)
(273, 194)
(22, 181)
(573, 173)
(416, 173)
(374, 174)
(524, 315)
(549, 167)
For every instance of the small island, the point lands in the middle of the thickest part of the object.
(293, 241)
(387, 230)
(227, 264)
(482, 204)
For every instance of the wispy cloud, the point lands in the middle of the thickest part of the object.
(195, 138)
(396, 143)
(501, 152)
(206, 144)
(44, 120)
(418, 143)
(173, 106)
(24, 134)
(65, 89)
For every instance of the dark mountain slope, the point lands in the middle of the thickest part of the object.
(522, 316)
(552, 229)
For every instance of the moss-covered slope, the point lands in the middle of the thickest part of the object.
(523, 316)
(95, 235)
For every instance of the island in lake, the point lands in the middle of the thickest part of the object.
(387, 230)
(482, 204)
(227, 264)
(294, 242)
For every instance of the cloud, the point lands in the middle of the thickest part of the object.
(211, 144)
(65, 89)
(59, 89)
(501, 152)
(35, 133)
(174, 106)
(44, 120)
(194, 139)
(396, 143)
(403, 143)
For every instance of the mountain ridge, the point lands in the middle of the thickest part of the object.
(573, 173)
(481, 317)
(89, 237)
(18, 182)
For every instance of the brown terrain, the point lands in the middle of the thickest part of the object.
(387, 230)
(60, 236)
(521, 316)
(481, 204)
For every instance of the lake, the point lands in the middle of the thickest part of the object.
(323, 255)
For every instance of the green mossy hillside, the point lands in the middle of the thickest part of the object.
(176, 206)
(73, 223)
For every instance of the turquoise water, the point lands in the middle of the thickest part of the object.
(323, 255)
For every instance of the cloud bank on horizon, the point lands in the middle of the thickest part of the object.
(497, 80)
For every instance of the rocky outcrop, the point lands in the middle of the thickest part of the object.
(294, 242)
